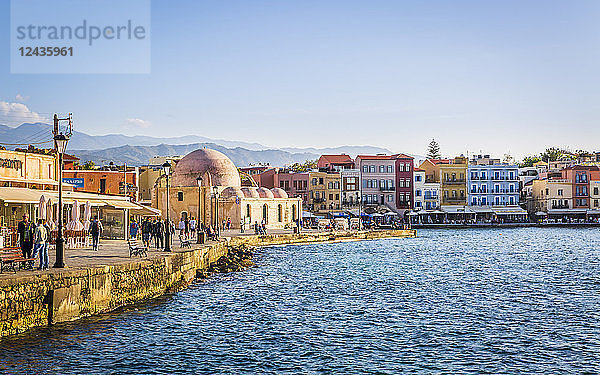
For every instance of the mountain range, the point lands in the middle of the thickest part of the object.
(137, 150)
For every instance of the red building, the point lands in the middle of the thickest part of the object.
(335, 162)
(110, 182)
(580, 177)
(295, 184)
(404, 182)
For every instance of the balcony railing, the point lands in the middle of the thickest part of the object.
(318, 200)
(455, 182)
(454, 199)
(387, 188)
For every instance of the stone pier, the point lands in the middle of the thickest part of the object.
(34, 299)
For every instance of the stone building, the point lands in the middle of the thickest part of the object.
(221, 194)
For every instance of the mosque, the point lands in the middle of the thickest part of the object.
(220, 194)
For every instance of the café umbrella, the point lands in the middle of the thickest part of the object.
(42, 208)
(75, 224)
(87, 215)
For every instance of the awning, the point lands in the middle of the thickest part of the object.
(20, 195)
(571, 211)
(457, 210)
(145, 211)
(509, 211)
(593, 212)
(481, 210)
(122, 204)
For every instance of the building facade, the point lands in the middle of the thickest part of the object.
(377, 179)
(493, 185)
(404, 183)
(453, 182)
(324, 190)
(105, 181)
(426, 194)
(350, 188)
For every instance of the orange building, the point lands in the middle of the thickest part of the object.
(110, 182)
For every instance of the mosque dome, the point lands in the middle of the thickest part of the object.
(250, 192)
(232, 192)
(215, 168)
(279, 193)
(265, 193)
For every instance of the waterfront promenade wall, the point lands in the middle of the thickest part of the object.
(35, 300)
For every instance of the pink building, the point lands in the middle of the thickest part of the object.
(377, 180)
(294, 184)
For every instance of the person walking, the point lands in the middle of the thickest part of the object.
(40, 237)
(133, 229)
(193, 227)
(44, 251)
(186, 227)
(228, 223)
(25, 231)
(160, 234)
(146, 229)
(95, 231)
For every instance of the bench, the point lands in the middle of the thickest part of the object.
(136, 248)
(14, 258)
(184, 242)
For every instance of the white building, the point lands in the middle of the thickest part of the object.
(427, 194)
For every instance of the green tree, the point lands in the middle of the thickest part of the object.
(304, 167)
(88, 165)
(433, 151)
(529, 161)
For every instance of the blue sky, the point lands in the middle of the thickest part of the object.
(495, 76)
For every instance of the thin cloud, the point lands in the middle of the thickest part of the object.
(137, 123)
(21, 98)
(14, 114)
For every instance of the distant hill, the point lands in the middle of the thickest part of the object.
(139, 155)
(39, 132)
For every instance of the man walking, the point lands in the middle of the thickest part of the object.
(25, 231)
(146, 229)
(40, 237)
(159, 230)
(95, 231)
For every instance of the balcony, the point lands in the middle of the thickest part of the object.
(318, 200)
(430, 197)
(455, 182)
(454, 199)
(560, 206)
(387, 188)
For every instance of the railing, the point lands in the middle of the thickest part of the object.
(387, 188)
(454, 199)
(318, 200)
(452, 182)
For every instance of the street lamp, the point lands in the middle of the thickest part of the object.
(199, 181)
(359, 212)
(216, 194)
(60, 141)
(167, 169)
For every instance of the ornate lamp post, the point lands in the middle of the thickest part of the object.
(359, 213)
(216, 194)
(199, 180)
(60, 140)
(167, 169)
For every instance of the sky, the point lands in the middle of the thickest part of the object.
(494, 77)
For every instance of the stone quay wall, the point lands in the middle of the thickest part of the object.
(65, 295)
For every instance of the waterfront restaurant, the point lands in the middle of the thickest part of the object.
(26, 177)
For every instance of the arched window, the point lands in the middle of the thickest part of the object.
(279, 213)
(265, 213)
(248, 211)
(180, 196)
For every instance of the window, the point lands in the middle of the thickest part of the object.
(279, 213)
(372, 169)
(336, 185)
(595, 191)
(314, 181)
(381, 168)
(595, 202)
(560, 192)
(265, 213)
(330, 185)
(330, 197)
(418, 178)
(320, 180)
(365, 169)
(401, 167)
(390, 169)
(180, 196)
(418, 193)
(390, 198)
(337, 197)
(248, 211)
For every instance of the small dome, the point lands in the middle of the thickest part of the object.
(232, 192)
(250, 192)
(265, 193)
(279, 193)
(214, 167)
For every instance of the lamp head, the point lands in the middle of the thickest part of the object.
(199, 181)
(166, 167)
(61, 141)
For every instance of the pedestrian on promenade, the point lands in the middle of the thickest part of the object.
(228, 223)
(242, 222)
(133, 229)
(263, 226)
(25, 231)
(40, 237)
(146, 229)
(186, 226)
(193, 227)
(153, 231)
(171, 229)
(181, 227)
(95, 231)
(44, 252)
(160, 233)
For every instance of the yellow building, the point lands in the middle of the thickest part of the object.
(453, 182)
(150, 177)
(551, 195)
(324, 192)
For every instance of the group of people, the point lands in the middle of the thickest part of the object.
(151, 231)
(34, 239)
(260, 228)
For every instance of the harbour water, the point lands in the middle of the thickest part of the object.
(449, 301)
